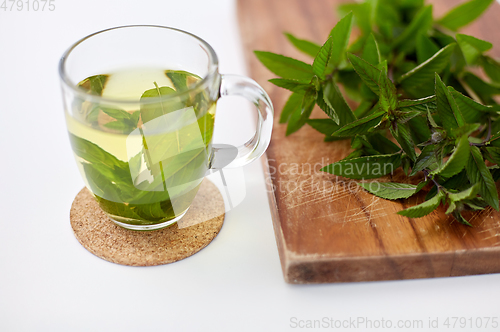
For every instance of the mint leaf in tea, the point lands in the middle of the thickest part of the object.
(143, 148)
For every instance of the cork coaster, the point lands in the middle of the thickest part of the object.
(99, 235)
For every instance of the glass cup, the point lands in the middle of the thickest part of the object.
(140, 108)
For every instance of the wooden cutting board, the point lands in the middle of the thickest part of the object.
(327, 229)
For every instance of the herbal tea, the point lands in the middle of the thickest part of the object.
(143, 159)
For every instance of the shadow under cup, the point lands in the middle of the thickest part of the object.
(140, 109)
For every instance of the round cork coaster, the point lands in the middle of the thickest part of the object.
(102, 237)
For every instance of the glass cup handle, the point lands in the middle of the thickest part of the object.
(226, 156)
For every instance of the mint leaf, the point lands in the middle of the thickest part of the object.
(484, 90)
(368, 73)
(116, 113)
(291, 105)
(101, 183)
(423, 209)
(421, 105)
(425, 160)
(301, 114)
(355, 154)
(92, 116)
(322, 58)
(150, 111)
(404, 117)
(153, 211)
(495, 173)
(359, 142)
(389, 190)
(371, 52)
(125, 121)
(324, 126)
(326, 107)
(458, 216)
(134, 118)
(308, 101)
(432, 121)
(382, 144)
(464, 195)
(386, 17)
(369, 167)
(420, 131)
(476, 204)
(334, 99)
(472, 47)
(120, 126)
(457, 160)
(360, 126)
(494, 140)
(466, 130)
(457, 182)
(477, 172)
(464, 14)
(493, 154)
(351, 82)
(362, 12)
(421, 23)
(383, 66)
(305, 46)
(284, 66)
(447, 108)
(340, 38)
(292, 85)
(94, 84)
(403, 136)
(388, 95)
(180, 79)
(405, 164)
(491, 68)
(417, 80)
(92, 153)
(426, 48)
(471, 110)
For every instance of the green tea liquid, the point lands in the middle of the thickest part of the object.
(143, 159)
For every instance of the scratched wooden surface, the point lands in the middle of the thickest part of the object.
(327, 230)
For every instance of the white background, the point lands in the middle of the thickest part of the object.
(49, 282)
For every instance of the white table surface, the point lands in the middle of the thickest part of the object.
(49, 282)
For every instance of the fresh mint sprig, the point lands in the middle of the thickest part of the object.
(412, 77)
